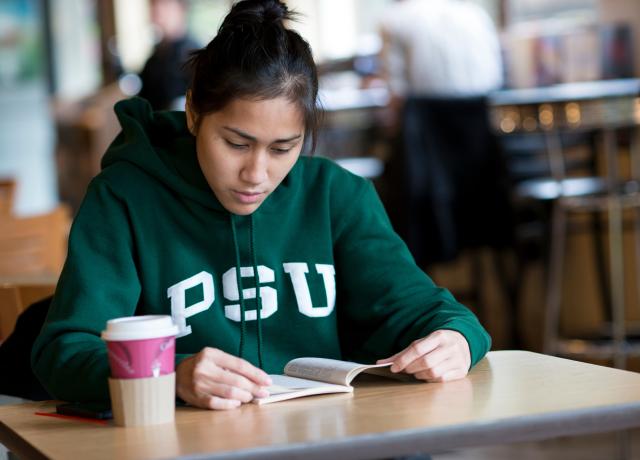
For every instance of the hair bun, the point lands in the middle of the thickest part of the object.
(254, 56)
(274, 11)
(254, 13)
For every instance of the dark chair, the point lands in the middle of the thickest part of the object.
(16, 376)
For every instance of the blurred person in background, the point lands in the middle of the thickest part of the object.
(439, 48)
(439, 59)
(164, 77)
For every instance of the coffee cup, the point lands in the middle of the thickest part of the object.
(141, 352)
(141, 346)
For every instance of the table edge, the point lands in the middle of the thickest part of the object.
(17, 445)
(435, 440)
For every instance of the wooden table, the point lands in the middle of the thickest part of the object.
(509, 396)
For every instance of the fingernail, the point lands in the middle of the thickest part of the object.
(394, 368)
(268, 381)
(262, 393)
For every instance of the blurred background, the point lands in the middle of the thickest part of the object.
(500, 134)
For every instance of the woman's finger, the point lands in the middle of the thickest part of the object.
(434, 374)
(238, 366)
(222, 390)
(211, 375)
(429, 361)
(217, 403)
(452, 374)
(414, 351)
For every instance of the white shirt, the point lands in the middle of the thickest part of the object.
(441, 47)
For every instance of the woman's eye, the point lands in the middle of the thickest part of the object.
(281, 150)
(233, 145)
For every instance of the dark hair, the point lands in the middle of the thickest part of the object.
(255, 56)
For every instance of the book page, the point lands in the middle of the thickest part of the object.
(285, 387)
(286, 384)
(327, 370)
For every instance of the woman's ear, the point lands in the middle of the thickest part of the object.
(191, 115)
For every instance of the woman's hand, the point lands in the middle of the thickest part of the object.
(441, 356)
(213, 379)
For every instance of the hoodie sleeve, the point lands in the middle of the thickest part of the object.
(99, 282)
(386, 301)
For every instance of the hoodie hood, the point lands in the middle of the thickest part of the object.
(160, 144)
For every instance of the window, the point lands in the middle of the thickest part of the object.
(519, 11)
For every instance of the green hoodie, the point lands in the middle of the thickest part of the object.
(334, 279)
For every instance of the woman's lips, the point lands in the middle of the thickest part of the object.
(248, 197)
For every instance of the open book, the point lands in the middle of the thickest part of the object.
(314, 376)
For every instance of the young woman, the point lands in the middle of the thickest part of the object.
(259, 254)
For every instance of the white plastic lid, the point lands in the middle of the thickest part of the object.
(139, 328)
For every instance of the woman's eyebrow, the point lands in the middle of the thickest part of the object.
(254, 139)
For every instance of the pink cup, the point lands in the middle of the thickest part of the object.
(141, 346)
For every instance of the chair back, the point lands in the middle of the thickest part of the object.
(7, 192)
(15, 298)
(34, 245)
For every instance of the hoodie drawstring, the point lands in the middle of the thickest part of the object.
(243, 327)
(258, 296)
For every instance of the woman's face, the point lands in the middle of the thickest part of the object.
(246, 149)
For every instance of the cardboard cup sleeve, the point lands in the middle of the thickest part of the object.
(145, 401)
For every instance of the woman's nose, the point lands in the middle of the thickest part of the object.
(254, 170)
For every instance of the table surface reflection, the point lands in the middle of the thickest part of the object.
(509, 396)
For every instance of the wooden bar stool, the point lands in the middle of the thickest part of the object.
(618, 196)
(609, 110)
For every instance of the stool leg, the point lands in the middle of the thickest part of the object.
(558, 241)
(635, 175)
(555, 275)
(601, 265)
(624, 444)
(614, 213)
(636, 235)
(617, 283)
